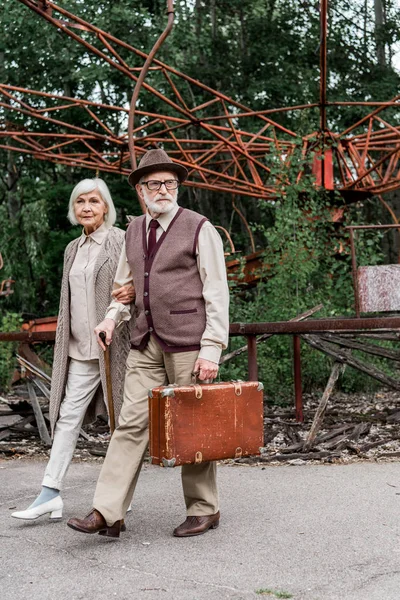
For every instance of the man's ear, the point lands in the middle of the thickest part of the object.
(139, 191)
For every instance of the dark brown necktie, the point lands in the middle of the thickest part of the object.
(152, 236)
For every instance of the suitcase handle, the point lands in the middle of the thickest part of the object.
(197, 390)
(197, 387)
(238, 387)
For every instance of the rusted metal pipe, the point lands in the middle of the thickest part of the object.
(241, 215)
(322, 94)
(28, 336)
(298, 392)
(252, 357)
(139, 82)
(348, 325)
(323, 64)
(354, 274)
(228, 237)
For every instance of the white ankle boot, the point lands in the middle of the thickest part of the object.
(54, 507)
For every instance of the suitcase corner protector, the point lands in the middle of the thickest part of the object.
(168, 392)
(260, 387)
(168, 462)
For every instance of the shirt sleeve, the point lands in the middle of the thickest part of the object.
(117, 311)
(212, 270)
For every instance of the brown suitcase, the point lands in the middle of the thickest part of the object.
(195, 423)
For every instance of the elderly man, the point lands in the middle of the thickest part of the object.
(175, 259)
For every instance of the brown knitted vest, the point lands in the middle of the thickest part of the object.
(169, 302)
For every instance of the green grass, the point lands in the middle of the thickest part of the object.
(268, 592)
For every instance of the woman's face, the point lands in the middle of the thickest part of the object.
(89, 210)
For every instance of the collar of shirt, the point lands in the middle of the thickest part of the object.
(164, 219)
(98, 236)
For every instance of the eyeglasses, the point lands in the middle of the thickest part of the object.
(153, 185)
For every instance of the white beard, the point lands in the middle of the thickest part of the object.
(160, 204)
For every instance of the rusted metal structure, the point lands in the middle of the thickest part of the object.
(222, 142)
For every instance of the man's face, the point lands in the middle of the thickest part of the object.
(162, 200)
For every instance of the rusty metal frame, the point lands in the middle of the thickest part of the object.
(222, 142)
(351, 229)
(251, 330)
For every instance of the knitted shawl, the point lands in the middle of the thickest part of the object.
(104, 273)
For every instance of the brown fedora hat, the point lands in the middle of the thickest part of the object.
(156, 160)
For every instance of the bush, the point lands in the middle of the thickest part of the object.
(8, 322)
(306, 262)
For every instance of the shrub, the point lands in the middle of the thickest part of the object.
(306, 262)
(8, 322)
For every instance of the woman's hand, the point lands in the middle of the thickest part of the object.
(125, 294)
(108, 326)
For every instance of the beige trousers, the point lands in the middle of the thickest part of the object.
(82, 383)
(121, 468)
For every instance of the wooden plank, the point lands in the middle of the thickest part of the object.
(5, 434)
(44, 434)
(42, 387)
(319, 415)
(362, 346)
(84, 435)
(346, 357)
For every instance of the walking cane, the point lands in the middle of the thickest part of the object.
(107, 364)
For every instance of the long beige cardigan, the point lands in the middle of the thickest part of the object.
(104, 273)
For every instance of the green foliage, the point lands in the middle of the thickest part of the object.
(8, 322)
(275, 593)
(302, 268)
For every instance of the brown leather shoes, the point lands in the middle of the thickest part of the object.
(94, 522)
(197, 525)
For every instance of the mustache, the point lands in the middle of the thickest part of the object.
(164, 197)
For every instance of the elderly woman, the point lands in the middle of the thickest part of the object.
(78, 382)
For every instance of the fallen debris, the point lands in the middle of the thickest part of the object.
(319, 415)
(355, 427)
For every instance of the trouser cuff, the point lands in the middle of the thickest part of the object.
(51, 483)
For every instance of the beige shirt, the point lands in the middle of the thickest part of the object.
(212, 270)
(82, 341)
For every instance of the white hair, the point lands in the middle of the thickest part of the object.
(89, 185)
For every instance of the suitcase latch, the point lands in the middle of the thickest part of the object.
(198, 458)
(238, 452)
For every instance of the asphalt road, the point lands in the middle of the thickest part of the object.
(307, 532)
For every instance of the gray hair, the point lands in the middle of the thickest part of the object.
(89, 185)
